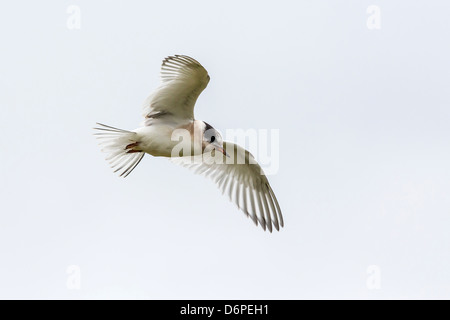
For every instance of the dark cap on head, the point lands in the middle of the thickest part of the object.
(207, 126)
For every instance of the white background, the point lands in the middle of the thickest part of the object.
(364, 150)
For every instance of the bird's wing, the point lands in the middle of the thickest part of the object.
(182, 81)
(241, 177)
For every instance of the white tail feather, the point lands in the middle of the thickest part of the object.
(116, 143)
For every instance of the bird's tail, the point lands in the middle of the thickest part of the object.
(121, 146)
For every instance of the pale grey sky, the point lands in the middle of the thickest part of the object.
(364, 175)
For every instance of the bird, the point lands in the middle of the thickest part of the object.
(169, 112)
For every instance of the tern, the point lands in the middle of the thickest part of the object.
(170, 109)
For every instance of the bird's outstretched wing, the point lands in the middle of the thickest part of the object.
(242, 178)
(182, 81)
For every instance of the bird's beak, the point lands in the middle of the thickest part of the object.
(222, 150)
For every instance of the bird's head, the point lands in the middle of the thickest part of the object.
(211, 139)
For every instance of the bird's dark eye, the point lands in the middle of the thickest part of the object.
(213, 139)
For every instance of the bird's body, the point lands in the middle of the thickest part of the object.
(170, 130)
(156, 139)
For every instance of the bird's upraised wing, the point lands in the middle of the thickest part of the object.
(182, 81)
(243, 180)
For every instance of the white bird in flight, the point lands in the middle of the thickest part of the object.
(170, 108)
